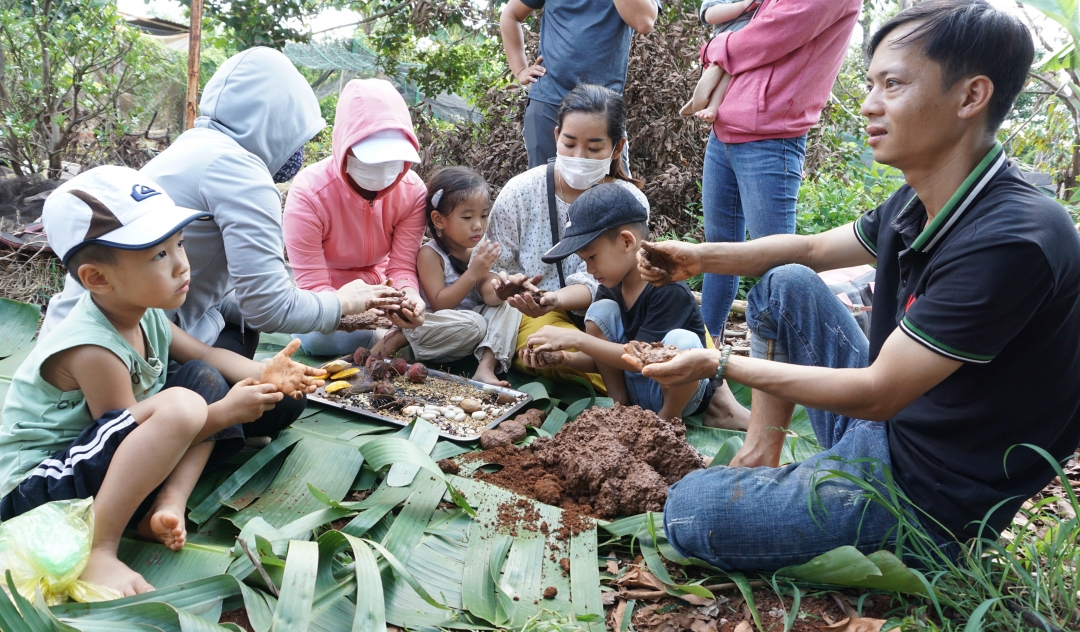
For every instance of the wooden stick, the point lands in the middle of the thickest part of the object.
(660, 594)
(191, 109)
(251, 556)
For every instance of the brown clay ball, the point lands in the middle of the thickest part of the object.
(417, 373)
(505, 398)
(360, 356)
(550, 592)
(494, 439)
(532, 417)
(449, 466)
(513, 429)
(379, 370)
(398, 366)
(372, 359)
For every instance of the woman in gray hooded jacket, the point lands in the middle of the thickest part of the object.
(257, 112)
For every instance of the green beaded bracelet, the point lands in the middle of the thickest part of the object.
(725, 355)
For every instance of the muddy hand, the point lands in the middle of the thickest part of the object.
(688, 366)
(289, 377)
(631, 358)
(667, 261)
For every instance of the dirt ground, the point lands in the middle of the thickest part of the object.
(731, 614)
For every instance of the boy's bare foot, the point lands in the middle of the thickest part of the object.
(725, 411)
(708, 115)
(165, 523)
(487, 376)
(390, 343)
(105, 569)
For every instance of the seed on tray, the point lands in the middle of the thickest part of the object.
(334, 387)
(479, 415)
(471, 405)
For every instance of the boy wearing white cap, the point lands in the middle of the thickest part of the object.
(92, 411)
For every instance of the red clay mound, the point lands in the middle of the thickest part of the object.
(607, 463)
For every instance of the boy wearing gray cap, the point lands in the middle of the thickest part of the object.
(607, 225)
(92, 411)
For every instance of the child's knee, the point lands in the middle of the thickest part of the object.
(683, 339)
(183, 410)
(605, 316)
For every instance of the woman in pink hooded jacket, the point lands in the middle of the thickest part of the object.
(359, 214)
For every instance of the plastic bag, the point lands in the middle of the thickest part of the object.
(47, 548)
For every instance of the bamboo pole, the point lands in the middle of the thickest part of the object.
(191, 109)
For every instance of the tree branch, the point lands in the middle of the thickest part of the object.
(371, 18)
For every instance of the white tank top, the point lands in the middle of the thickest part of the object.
(450, 276)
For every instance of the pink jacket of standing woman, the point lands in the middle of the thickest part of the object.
(783, 64)
(332, 234)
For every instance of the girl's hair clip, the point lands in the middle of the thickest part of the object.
(435, 199)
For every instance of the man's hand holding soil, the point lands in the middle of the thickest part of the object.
(356, 297)
(409, 313)
(291, 377)
(664, 262)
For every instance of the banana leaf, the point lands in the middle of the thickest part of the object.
(18, 324)
(846, 566)
(163, 567)
(329, 466)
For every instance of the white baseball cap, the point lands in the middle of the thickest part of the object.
(386, 146)
(113, 206)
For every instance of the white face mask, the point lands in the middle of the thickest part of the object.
(373, 177)
(582, 173)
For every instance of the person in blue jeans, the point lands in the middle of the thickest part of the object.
(606, 227)
(783, 64)
(977, 284)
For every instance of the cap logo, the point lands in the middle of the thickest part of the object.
(140, 192)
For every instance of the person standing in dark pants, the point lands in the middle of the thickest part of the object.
(581, 41)
(783, 65)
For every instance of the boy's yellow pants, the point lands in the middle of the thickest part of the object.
(530, 326)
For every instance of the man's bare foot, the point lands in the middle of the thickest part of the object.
(708, 115)
(165, 523)
(390, 343)
(105, 569)
(486, 375)
(725, 411)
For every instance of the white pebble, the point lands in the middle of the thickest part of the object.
(456, 398)
(409, 411)
(459, 416)
(490, 388)
(428, 416)
(479, 415)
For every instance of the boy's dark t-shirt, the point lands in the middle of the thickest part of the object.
(657, 311)
(993, 282)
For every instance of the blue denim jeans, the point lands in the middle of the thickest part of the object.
(766, 518)
(335, 343)
(642, 391)
(746, 186)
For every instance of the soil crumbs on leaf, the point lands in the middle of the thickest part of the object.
(607, 463)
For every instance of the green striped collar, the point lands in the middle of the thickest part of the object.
(960, 201)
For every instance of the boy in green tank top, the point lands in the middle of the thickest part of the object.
(92, 410)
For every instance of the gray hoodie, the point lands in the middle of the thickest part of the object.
(256, 111)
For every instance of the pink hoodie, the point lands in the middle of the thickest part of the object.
(784, 63)
(332, 235)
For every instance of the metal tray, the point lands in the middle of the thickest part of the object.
(321, 397)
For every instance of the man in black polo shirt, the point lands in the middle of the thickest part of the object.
(974, 345)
